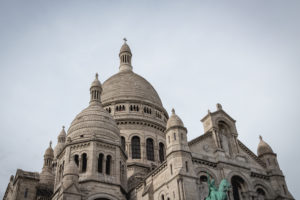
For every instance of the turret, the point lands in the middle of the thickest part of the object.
(178, 152)
(266, 154)
(47, 176)
(176, 135)
(125, 57)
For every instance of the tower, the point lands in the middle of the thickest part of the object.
(179, 158)
(47, 176)
(266, 154)
(140, 116)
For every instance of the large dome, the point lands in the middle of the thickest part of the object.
(127, 85)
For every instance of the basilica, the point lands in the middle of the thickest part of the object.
(125, 146)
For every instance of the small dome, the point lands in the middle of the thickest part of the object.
(71, 168)
(174, 120)
(125, 48)
(49, 151)
(96, 82)
(263, 147)
(94, 121)
(62, 133)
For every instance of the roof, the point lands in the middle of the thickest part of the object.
(127, 85)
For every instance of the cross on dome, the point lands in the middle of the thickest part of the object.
(125, 40)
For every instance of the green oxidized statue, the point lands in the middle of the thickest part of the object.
(217, 193)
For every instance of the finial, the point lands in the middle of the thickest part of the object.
(50, 144)
(260, 137)
(63, 127)
(208, 111)
(173, 111)
(97, 76)
(219, 106)
(125, 40)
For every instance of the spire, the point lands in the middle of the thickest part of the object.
(173, 111)
(125, 57)
(96, 90)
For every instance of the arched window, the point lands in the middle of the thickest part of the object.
(84, 162)
(203, 179)
(260, 194)
(123, 143)
(162, 197)
(76, 159)
(237, 187)
(150, 149)
(100, 163)
(135, 147)
(161, 152)
(174, 136)
(108, 164)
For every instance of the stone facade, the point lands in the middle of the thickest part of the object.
(124, 146)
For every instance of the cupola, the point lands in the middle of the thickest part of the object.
(176, 134)
(96, 90)
(46, 176)
(174, 121)
(125, 57)
(263, 147)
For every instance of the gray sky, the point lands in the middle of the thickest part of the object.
(242, 54)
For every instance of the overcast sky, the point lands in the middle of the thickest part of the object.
(242, 54)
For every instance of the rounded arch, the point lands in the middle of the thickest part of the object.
(104, 196)
(258, 184)
(135, 147)
(225, 122)
(200, 171)
(162, 195)
(237, 173)
(131, 135)
(239, 185)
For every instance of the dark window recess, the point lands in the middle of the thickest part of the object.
(84, 162)
(150, 149)
(135, 147)
(76, 159)
(161, 152)
(108, 164)
(123, 143)
(100, 163)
